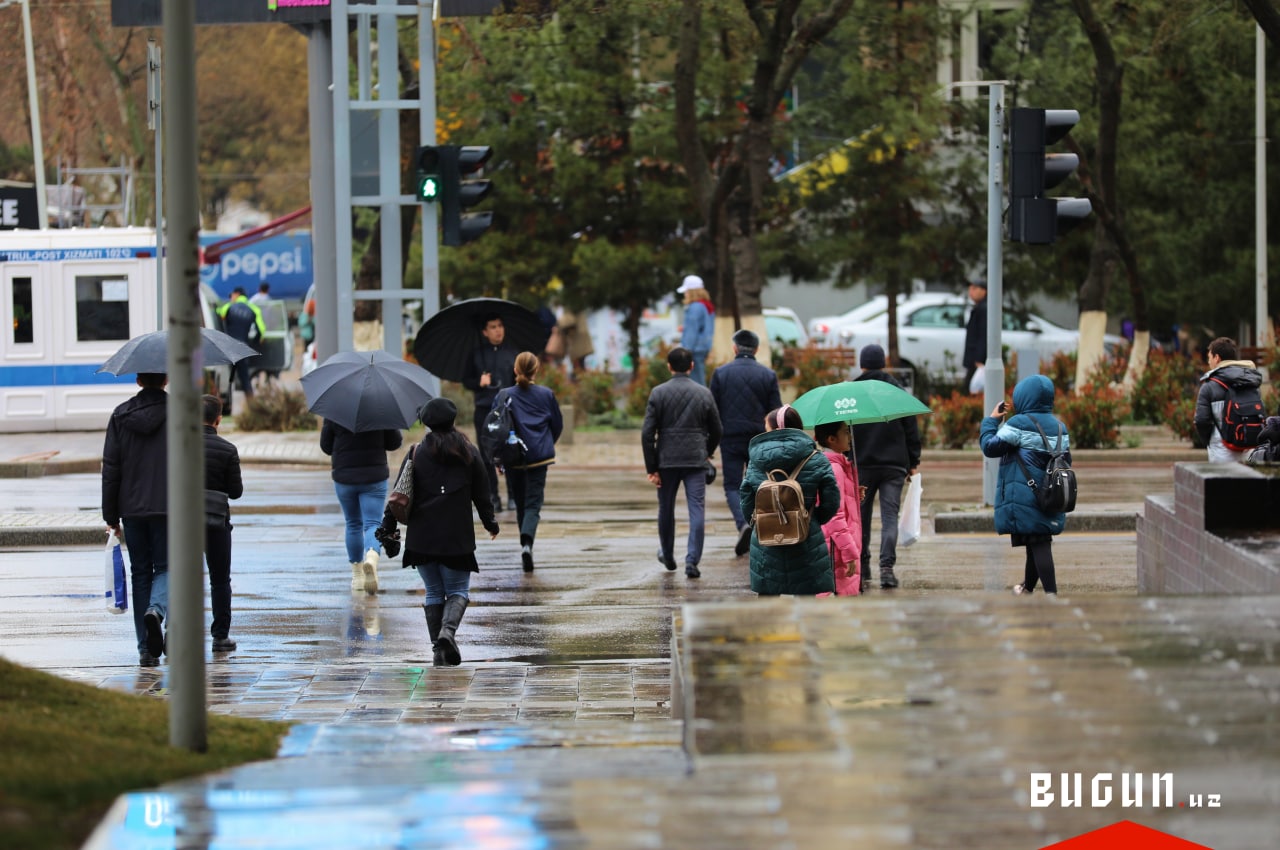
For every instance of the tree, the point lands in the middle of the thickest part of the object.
(729, 81)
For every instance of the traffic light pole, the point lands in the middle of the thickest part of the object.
(994, 369)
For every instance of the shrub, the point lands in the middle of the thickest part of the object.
(1062, 371)
(1092, 418)
(1179, 415)
(551, 376)
(1168, 378)
(594, 393)
(815, 367)
(955, 420)
(653, 371)
(274, 408)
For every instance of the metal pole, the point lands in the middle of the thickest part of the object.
(1262, 323)
(154, 116)
(340, 17)
(37, 143)
(323, 216)
(389, 184)
(188, 722)
(994, 392)
(427, 132)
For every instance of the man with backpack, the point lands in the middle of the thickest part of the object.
(1229, 412)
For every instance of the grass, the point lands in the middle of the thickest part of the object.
(67, 750)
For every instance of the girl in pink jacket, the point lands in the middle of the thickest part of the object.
(843, 531)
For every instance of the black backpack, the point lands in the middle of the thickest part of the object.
(499, 425)
(1057, 493)
(1243, 416)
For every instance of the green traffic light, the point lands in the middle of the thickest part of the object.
(429, 189)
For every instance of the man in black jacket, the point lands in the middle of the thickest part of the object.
(135, 495)
(975, 333)
(744, 391)
(222, 481)
(492, 366)
(680, 433)
(888, 454)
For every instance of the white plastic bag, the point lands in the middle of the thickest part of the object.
(116, 576)
(978, 382)
(909, 515)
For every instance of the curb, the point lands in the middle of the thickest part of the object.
(53, 536)
(975, 522)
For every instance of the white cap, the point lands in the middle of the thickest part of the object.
(690, 282)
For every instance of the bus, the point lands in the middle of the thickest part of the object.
(69, 299)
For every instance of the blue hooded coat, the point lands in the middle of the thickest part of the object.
(1016, 509)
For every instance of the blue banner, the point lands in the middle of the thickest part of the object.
(283, 261)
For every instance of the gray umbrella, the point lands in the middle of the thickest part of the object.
(149, 352)
(367, 390)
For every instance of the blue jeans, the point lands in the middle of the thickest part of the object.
(699, 371)
(442, 582)
(148, 542)
(528, 488)
(733, 455)
(695, 493)
(888, 483)
(362, 506)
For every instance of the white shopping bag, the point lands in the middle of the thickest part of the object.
(116, 576)
(909, 515)
(979, 380)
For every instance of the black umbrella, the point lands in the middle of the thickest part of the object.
(445, 343)
(149, 352)
(367, 390)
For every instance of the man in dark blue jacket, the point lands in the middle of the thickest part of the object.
(744, 391)
(135, 495)
(888, 454)
(222, 481)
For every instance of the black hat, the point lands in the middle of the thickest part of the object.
(871, 357)
(438, 413)
(746, 339)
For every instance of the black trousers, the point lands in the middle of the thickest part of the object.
(217, 553)
(1039, 566)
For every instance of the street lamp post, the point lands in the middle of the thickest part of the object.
(37, 143)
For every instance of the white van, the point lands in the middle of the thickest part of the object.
(68, 300)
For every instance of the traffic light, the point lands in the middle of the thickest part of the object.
(428, 174)
(457, 194)
(1035, 218)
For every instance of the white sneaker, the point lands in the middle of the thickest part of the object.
(357, 577)
(1020, 589)
(370, 567)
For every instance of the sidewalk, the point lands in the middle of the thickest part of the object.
(901, 719)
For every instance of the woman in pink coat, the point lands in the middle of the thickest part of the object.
(844, 530)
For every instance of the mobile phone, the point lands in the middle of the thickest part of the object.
(1003, 407)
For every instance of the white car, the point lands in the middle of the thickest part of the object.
(784, 328)
(931, 331)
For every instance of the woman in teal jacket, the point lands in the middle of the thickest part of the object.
(804, 568)
(1017, 513)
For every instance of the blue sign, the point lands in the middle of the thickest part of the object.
(283, 261)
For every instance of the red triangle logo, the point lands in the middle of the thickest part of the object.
(1126, 835)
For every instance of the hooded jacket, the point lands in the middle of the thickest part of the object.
(843, 532)
(135, 459)
(803, 569)
(1213, 398)
(1016, 508)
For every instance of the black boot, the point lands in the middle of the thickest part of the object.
(435, 614)
(454, 607)
(526, 552)
(864, 583)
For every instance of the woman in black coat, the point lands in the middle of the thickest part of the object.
(448, 479)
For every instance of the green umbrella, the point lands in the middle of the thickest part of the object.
(857, 402)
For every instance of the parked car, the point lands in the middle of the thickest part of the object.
(784, 328)
(825, 330)
(931, 330)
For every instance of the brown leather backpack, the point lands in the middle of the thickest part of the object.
(781, 518)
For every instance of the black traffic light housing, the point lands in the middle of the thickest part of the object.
(428, 165)
(458, 194)
(1035, 218)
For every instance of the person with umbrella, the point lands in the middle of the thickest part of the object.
(449, 479)
(135, 496)
(491, 367)
(359, 469)
(888, 454)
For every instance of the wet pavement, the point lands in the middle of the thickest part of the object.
(903, 719)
